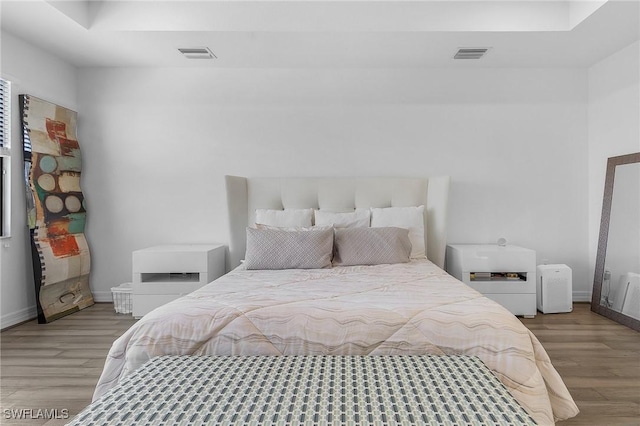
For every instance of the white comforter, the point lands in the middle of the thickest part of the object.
(412, 308)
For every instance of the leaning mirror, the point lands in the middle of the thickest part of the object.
(616, 285)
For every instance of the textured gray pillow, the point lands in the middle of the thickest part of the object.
(278, 249)
(371, 246)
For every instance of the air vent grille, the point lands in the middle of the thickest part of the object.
(471, 53)
(197, 52)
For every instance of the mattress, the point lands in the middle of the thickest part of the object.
(313, 390)
(403, 309)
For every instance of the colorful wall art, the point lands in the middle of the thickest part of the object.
(55, 208)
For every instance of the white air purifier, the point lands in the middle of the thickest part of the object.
(554, 286)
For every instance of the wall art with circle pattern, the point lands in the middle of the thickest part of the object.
(55, 208)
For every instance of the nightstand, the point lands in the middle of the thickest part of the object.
(506, 274)
(164, 273)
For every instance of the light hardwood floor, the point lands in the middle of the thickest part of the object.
(599, 361)
(56, 366)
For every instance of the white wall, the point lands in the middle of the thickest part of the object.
(157, 143)
(32, 71)
(614, 125)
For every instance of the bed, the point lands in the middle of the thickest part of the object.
(410, 308)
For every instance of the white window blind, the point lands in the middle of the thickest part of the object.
(5, 157)
(5, 114)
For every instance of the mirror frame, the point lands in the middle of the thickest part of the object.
(596, 307)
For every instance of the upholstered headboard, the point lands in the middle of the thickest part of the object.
(245, 195)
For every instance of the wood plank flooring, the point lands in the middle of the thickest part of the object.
(57, 365)
(599, 361)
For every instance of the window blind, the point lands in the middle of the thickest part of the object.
(5, 113)
(5, 156)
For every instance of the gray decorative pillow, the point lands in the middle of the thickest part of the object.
(371, 246)
(279, 249)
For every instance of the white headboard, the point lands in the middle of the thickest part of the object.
(245, 195)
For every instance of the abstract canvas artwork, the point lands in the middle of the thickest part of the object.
(55, 208)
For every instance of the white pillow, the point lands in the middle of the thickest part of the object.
(288, 218)
(411, 218)
(355, 219)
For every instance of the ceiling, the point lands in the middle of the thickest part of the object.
(331, 34)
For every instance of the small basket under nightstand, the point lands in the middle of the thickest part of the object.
(122, 298)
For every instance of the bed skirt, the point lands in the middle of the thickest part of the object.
(318, 390)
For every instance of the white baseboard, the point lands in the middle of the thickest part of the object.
(22, 315)
(582, 296)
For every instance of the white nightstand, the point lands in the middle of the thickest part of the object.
(506, 274)
(164, 273)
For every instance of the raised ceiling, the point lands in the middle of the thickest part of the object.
(336, 34)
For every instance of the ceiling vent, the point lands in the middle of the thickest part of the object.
(471, 53)
(197, 52)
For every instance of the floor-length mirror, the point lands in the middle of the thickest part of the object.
(616, 285)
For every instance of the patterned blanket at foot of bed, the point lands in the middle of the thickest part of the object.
(314, 390)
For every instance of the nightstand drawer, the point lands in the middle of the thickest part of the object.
(145, 303)
(164, 273)
(507, 286)
(479, 258)
(165, 288)
(179, 261)
(506, 274)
